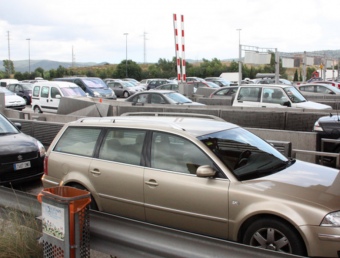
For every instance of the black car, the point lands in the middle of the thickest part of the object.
(328, 130)
(23, 90)
(21, 156)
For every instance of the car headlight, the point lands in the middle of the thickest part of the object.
(331, 220)
(96, 94)
(41, 148)
(317, 127)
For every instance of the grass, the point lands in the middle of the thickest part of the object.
(19, 235)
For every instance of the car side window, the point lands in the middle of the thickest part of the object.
(157, 99)
(54, 92)
(36, 90)
(78, 140)
(174, 153)
(123, 145)
(44, 92)
(250, 94)
(141, 98)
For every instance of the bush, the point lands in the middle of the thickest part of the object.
(19, 235)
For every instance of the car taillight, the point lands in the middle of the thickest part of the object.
(46, 165)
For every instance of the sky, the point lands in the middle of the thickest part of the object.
(93, 31)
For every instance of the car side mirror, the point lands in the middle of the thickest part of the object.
(18, 125)
(287, 104)
(205, 171)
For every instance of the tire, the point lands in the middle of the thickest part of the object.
(27, 101)
(37, 110)
(275, 235)
(126, 94)
(93, 204)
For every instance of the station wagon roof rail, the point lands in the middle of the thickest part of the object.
(205, 116)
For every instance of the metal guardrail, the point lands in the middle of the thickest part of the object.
(318, 153)
(122, 237)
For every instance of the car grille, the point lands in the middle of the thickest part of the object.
(8, 174)
(12, 158)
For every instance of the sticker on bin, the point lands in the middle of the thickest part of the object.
(53, 221)
(22, 165)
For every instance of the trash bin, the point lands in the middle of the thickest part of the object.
(65, 222)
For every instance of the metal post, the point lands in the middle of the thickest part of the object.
(304, 67)
(29, 55)
(277, 66)
(126, 34)
(239, 57)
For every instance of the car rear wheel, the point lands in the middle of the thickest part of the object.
(275, 235)
(37, 110)
(126, 94)
(93, 204)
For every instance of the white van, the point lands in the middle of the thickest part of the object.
(273, 96)
(5, 82)
(46, 95)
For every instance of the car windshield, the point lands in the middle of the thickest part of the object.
(246, 155)
(294, 95)
(27, 86)
(128, 84)
(95, 83)
(7, 92)
(6, 127)
(177, 97)
(73, 91)
(212, 85)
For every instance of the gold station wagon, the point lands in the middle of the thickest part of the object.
(200, 175)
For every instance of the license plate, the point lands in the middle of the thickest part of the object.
(22, 165)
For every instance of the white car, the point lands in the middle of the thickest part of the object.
(47, 94)
(12, 100)
(273, 96)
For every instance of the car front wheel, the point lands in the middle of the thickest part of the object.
(126, 94)
(37, 110)
(275, 235)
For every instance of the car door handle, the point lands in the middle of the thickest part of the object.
(151, 183)
(95, 172)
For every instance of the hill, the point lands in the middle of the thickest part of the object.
(23, 65)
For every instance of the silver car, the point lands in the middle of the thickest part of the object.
(123, 88)
(200, 175)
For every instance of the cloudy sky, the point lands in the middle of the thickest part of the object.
(93, 31)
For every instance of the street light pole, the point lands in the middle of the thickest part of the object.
(29, 55)
(126, 34)
(239, 58)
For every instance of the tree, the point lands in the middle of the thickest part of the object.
(132, 68)
(40, 71)
(296, 76)
(9, 67)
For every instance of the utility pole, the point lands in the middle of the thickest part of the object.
(9, 55)
(145, 47)
(29, 55)
(126, 34)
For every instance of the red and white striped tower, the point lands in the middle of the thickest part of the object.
(184, 76)
(177, 49)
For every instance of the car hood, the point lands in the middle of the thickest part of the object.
(13, 99)
(17, 143)
(305, 183)
(312, 105)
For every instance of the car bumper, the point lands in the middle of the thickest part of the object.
(322, 241)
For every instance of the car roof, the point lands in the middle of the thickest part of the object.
(267, 85)
(61, 84)
(158, 91)
(190, 125)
